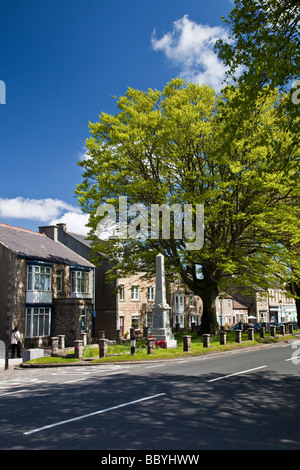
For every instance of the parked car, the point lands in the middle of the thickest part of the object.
(278, 325)
(294, 323)
(237, 326)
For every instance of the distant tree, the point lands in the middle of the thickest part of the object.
(182, 146)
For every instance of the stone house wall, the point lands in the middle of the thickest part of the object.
(130, 309)
(13, 278)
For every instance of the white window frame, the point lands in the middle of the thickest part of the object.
(83, 319)
(178, 303)
(121, 292)
(135, 293)
(38, 321)
(178, 318)
(38, 278)
(59, 280)
(79, 282)
(150, 293)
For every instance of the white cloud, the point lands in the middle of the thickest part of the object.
(83, 154)
(44, 211)
(74, 221)
(191, 47)
(34, 209)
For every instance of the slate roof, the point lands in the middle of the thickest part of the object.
(35, 246)
(80, 238)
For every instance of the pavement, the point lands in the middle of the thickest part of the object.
(16, 361)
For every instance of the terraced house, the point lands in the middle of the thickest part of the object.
(45, 288)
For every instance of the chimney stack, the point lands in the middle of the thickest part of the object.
(50, 231)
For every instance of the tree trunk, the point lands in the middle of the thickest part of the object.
(295, 290)
(209, 323)
(298, 310)
(207, 288)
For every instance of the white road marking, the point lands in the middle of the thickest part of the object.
(75, 380)
(102, 376)
(158, 365)
(20, 383)
(13, 393)
(236, 373)
(59, 423)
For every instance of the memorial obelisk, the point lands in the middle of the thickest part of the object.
(161, 330)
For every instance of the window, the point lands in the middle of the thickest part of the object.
(193, 319)
(178, 320)
(39, 278)
(150, 293)
(83, 320)
(59, 280)
(149, 320)
(38, 321)
(192, 300)
(135, 322)
(179, 303)
(79, 282)
(121, 292)
(135, 293)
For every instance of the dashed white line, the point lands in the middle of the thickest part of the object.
(59, 423)
(157, 365)
(13, 393)
(98, 376)
(236, 373)
(75, 380)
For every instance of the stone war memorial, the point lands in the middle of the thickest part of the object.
(161, 329)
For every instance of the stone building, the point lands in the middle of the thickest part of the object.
(134, 302)
(187, 308)
(105, 311)
(231, 311)
(121, 305)
(45, 288)
(267, 305)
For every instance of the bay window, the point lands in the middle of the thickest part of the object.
(39, 278)
(38, 283)
(79, 283)
(38, 321)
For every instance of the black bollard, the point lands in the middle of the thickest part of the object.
(6, 358)
(132, 338)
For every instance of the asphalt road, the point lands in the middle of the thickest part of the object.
(247, 400)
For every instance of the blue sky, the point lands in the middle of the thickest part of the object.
(61, 61)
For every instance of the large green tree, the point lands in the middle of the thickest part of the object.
(263, 47)
(263, 53)
(182, 145)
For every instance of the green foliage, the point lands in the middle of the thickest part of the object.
(263, 49)
(264, 43)
(188, 145)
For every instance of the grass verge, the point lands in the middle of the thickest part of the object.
(122, 352)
